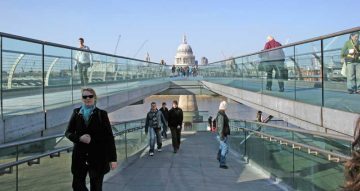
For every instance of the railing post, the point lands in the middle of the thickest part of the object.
(1, 84)
(17, 168)
(126, 154)
(72, 76)
(322, 73)
(245, 150)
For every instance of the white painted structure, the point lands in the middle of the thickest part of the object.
(184, 55)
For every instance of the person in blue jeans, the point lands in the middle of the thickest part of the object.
(223, 130)
(153, 125)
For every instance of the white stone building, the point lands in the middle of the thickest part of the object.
(184, 55)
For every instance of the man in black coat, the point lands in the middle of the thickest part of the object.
(175, 124)
(164, 110)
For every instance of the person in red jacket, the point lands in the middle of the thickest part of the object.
(274, 61)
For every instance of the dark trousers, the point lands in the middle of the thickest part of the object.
(278, 67)
(176, 137)
(83, 68)
(163, 133)
(79, 180)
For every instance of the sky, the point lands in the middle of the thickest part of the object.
(216, 29)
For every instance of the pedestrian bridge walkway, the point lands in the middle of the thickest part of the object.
(300, 159)
(194, 167)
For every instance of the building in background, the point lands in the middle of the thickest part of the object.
(204, 61)
(184, 55)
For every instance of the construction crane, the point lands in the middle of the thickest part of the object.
(142, 45)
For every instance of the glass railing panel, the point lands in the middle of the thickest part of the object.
(278, 161)
(336, 94)
(58, 77)
(37, 148)
(120, 146)
(255, 149)
(97, 72)
(109, 71)
(333, 145)
(36, 176)
(238, 71)
(308, 76)
(316, 173)
(135, 141)
(8, 181)
(253, 78)
(50, 173)
(8, 155)
(117, 73)
(237, 140)
(22, 76)
(1, 63)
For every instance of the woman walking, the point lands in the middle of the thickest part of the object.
(94, 147)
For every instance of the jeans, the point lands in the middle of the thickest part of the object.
(223, 150)
(155, 133)
(83, 68)
(353, 75)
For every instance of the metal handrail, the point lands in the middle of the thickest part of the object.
(32, 158)
(19, 143)
(311, 132)
(311, 149)
(131, 121)
(16, 37)
(50, 153)
(302, 54)
(343, 32)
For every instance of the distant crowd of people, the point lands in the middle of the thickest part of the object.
(186, 71)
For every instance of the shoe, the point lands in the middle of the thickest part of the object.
(281, 90)
(351, 91)
(175, 151)
(159, 150)
(151, 154)
(268, 88)
(224, 167)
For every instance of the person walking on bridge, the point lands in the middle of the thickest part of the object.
(94, 146)
(175, 124)
(274, 60)
(84, 60)
(153, 125)
(350, 55)
(223, 130)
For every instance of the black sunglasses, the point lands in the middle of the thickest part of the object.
(87, 96)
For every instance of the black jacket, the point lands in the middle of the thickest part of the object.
(175, 117)
(165, 112)
(101, 149)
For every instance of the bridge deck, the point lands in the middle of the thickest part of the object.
(194, 167)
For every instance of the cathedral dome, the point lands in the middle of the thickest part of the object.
(184, 55)
(184, 48)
